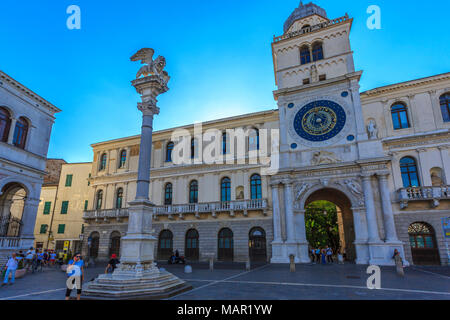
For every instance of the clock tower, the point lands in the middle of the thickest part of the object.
(325, 150)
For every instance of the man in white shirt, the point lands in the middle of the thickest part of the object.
(11, 267)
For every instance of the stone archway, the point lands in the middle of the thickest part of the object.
(12, 203)
(345, 219)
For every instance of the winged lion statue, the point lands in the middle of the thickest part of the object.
(152, 67)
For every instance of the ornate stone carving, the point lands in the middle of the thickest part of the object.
(152, 67)
(372, 130)
(324, 157)
(300, 190)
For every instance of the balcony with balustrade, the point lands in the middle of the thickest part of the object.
(181, 210)
(432, 194)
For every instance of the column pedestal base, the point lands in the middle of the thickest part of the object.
(282, 250)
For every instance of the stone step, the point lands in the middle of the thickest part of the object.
(154, 285)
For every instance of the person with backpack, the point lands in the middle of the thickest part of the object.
(329, 255)
(75, 270)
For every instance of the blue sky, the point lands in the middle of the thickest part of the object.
(218, 55)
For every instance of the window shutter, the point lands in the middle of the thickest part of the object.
(47, 207)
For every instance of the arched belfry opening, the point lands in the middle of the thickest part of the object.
(329, 222)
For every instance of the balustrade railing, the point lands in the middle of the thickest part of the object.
(423, 193)
(229, 206)
(9, 242)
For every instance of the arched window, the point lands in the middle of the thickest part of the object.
(165, 244)
(95, 242)
(225, 190)
(191, 250)
(103, 159)
(224, 143)
(253, 139)
(255, 187)
(114, 245)
(5, 124)
(119, 198)
(410, 176)
(168, 194)
(169, 150)
(225, 245)
(257, 244)
(306, 26)
(422, 240)
(317, 51)
(99, 202)
(445, 106)
(400, 116)
(123, 158)
(305, 55)
(20, 133)
(193, 192)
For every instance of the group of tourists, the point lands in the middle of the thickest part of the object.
(322, 255)
(175, 258)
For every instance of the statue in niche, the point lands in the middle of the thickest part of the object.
(314, 74)
(372, 130)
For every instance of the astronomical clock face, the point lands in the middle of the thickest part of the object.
(320, 121)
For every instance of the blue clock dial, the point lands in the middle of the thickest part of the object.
(320, 121)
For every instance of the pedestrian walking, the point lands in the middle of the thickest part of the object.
(76, 272)
(29, 257)
(318, 255)
(324, 259)
(11, 267)
(313, 255)
(329, 255)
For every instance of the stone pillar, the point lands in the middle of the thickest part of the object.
(276, 213)
(372, 224)
(28, 221)
(289, 207)
(388, 215)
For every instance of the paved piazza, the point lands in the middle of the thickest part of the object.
(267, 282)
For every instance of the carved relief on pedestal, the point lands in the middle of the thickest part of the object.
(324, 157)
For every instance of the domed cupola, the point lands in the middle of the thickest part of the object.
(304, 11)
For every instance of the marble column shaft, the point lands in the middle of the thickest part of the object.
(372, 224)
(388, 215)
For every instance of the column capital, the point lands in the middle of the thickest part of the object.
(421, 150)
(383, 175)
(287, 182)
(275, 184)
(367, 175)
(148, 108)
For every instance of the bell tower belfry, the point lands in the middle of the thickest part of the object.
(326, 152)
(318, 90)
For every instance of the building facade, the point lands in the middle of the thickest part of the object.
(59, 222)
(26, 121)
(381, 156)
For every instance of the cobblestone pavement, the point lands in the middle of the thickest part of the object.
(274, 282)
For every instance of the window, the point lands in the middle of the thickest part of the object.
(225, 186)
(165, 244)
(317, 51)
(61, 228)
(193, 192)
(103, 162)
(86, 202)
(253, 140)
(119, 198)
(322, 77)
(169, 150)
(20, 133)
(408, 168)
(193, 147)
(400, 116)
(255, 187)
(225, 245)
(421, 235)
(123, 159)
(191, 249)
(5, 124)
(64, 207)
(44, 228)
(69, 178)
(99, 200)
(305, 55)
(445, 106)
(168, 194)
(224, 143)
(47, 207)
(306, 81)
